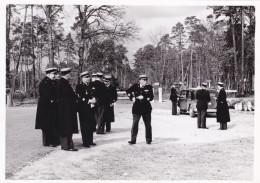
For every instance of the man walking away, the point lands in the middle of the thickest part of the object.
(174, 98)
(203, 97)
(222, 108)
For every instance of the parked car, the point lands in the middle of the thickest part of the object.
(187, 101)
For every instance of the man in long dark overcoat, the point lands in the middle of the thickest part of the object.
(67, 110)
(46, 115)
(141, 93)
(86, 115)
(222, 108)
(203, 97)
(100, 96)
(109, 104)
(174, 98)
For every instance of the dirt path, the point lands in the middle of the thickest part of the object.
(179, 151)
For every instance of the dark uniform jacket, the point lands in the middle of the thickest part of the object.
(141, 106)
(67, 110)
(222, 107)
(174, 95)
(99, 92)
(203, 98)
(46, 115)
(111, 98)
(84, 93)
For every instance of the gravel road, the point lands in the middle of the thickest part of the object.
(179, 150)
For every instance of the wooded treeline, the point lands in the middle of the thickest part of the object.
(219, 49)
(36, 39)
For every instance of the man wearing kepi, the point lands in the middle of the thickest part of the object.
(203, 97)
(46, 116)
(100, 96)
(222, 108)
(84, 108)
(67, 110)
(141, 93)
(109, 104)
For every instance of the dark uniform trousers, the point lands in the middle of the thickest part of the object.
(201, 118)
(66, 142)
(100, 118)
(86, 128)
(174, 107)
(147, 123)
(223, 126)
(50, 138)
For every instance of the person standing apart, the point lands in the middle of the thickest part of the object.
(141, 93)
(109, 104)
(222, 108)
(174, 98)
(203, 97)
(67, 110)
(46, 115)
(84, 108)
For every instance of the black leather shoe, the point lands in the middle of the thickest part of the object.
(71, 149)
(86, 145)
(131, 142)
(148, 142)
(53, 145)
(107, 130)
(205, 128)
(93, 144)
(101, 133)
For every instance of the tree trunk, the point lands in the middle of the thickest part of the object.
(234, 50)
(191, 72)
(8, 76)
(242, 50)
(50, 39)
(33, 57)
(19, 53)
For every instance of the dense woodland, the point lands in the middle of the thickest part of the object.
(222, 48)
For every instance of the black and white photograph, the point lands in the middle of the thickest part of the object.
(151, 91)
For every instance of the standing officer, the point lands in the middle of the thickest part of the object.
(222, 108)
(141, 93)
(46, 116)
(100, 96)
(109, 104)
(173, 98)
(67, 110)
(84, 108)
(203, 98)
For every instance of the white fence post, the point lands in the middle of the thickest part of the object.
(160, 94)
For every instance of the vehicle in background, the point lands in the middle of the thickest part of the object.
(187, 101)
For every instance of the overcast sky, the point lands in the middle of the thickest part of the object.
(153, 21)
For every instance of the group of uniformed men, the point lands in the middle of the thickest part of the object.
(203, 97)
(58, 105)
(94, 101)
